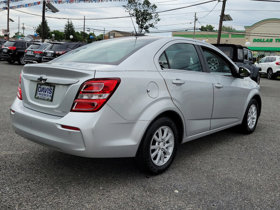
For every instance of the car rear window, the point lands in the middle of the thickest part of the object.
(34, 46)
(227, 50)
(9, 44)
(58, 47)
(106, 52)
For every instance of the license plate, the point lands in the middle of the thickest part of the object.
(44, 92)
(29, 53)
(5, 50)
(49, 54)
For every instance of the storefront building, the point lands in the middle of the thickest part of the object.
(263, 37)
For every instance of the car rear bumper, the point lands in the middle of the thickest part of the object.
(103, 134)
(32, 59)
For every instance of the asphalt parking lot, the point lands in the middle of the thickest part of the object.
(226, 170)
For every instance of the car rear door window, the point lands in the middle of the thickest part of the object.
(215, 62)
(181, 56)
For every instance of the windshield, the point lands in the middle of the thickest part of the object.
(106, 52)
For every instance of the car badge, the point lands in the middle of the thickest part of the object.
(42, 79)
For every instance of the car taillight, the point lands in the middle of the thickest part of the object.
(38, 52)
(60, 52)
(93, 94)
(278, 63)
(12, 48)
(19, 92)
(25, 50)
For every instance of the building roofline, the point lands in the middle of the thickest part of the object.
(262, 21)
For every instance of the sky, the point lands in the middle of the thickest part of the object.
(243, 13)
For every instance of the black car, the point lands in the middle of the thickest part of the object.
(34, 53)
(13, 51)
(1, 45)
(57, 49)
(242, 56)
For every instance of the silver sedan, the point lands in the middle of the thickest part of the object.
(134, 97)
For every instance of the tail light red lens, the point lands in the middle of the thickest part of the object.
(12, 48)
(38, 52)
(60, 52)
(278, 63)
(19, 92)
(94, 94)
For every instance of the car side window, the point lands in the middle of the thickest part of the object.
(163, 62)
(215, 62)
(273, 59)
(246, 56)
(181, 56)
(250, 56)
(267, 60)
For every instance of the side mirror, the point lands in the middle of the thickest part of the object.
(244, 72)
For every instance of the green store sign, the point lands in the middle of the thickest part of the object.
(266, 40)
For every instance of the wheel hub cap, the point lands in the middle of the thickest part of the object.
(252, 116)
(162, 145)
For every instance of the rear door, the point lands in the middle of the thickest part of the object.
(191, 88)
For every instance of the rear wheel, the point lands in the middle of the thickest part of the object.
(270, 74)
(21, 60)
(250, 118)
(159, 146)
(258, 79)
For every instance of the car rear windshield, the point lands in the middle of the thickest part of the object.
(106, 52)
(34, 46)
(227, 50)
(9, 44)
(56, 47)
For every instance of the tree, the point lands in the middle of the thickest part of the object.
(46, 32)
(69, 30)
(18, 34)
(58, 35)
(207, 28)
(144, 12)
(228, 28)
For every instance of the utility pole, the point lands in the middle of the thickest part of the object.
(104, 34)
(23, 28)
(221, 21)
(43, 21)
(18, 25)
(8, 19)
(84, 28)
(194, 25)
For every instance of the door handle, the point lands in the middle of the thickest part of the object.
(218, 85)
(178, 82)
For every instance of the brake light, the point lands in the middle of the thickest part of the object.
(19, 92)
(38, 52)
(70, 127)
(60, 52)
(278, 63)
(93, 94)
(25, 50)
(12, 48)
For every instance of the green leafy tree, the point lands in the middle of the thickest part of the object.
(18, 34)
(46, 32)
(144, 12)
(58, 35)
(207, 28)
(228, 28)
(69, 30)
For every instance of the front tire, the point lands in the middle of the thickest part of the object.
(250, 119)
(159, 146)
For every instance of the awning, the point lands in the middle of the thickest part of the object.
(274, 49)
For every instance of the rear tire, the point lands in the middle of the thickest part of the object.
(158, 147)
(270, 74)
(21, 60)
(250, 119)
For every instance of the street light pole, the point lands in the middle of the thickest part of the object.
(43, 21)
(221, 21)
(8, 19)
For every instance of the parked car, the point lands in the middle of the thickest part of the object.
(270, 65)
(242, 56)
(57, 49)
(13, 51)
(134, 97)
(34, 53)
